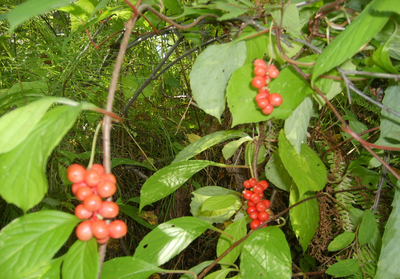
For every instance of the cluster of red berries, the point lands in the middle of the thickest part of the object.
(257, 206)
(91, 186)
(265, 101)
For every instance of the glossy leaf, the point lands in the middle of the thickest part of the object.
(306, 169)
(367, 228)
(168, 179)
(128, 268)
(276, 173)
(29, 242)
(341, 241)
(206, 142)
(391, 242)
(81, 260)
(304, 217)
(344, 268)
(359, 32)
(169, 239)
(211, 72)
(219, 202)
(238, 230)
(266, 254)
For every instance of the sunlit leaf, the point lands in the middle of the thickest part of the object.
(341, 241)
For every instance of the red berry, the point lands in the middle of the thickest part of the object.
(262, 103)
(264, 184)
(253, 215)
(82, 213)
(99, 168)
(109, 177)
(92, 178)
(260, 71)
(83, 192)
(76, 173)
(261, 96)
(258, 189)
(255, 224)
(108, 209)
(268, 109)
(259, 62)
(275, 99)
(92, 203)
(247, 194)
(258, 82)
(100, 229)
(84, 231)
(251, 204)
(246, 184)
(263, 216)
(263, 91)
(267, 203)
(117, 229)
(261, 207)
(273, 72)
(255, 198)
(253, 182)
(76, 186)
(103, 241)
(251, 209)
(106, 189)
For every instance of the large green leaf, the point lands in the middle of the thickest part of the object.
(277, 174)
(367, 228)
(169, 239)
(219, 202)
(345, 268)
(341, 241)
(32, 8)
(31, 241)
(391, 243)
(211, 72)
(358, 33)
(128, 268)
(266, 254)
(168, 179)
(304, 217)
(206, 142)
(81, 261)
(238, 230)
(386, 6)
(306, 169)
(16, 125)
(22, 170)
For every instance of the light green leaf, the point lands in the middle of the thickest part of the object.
(206, 142)
(211, 72)
(29, 242)
(168, 179)
(22, 170)
(220, 274)
(169, 239)
(344, 268)
(367, 228)
(219, 202)
(291, 20)
(81, 261)
(128, 268)
(304, 217)
(276, 173)
(233, 8)
(381, 55)
(196, 269)
(341, 241)
(54, 270)
(266, 254)
(230, 148)
(386, 6)
(297, 124)
(306, 169)
(358, 33)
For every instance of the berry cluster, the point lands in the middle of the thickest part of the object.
(257, 206)
(265, 101)
(90, 186)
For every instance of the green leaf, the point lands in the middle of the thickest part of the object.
(81, 261)
(386, 6)
(277, 174)
(266, 254)
(238, 230)
(219, 202)
(306, 169)
(169, 239)
(297, 124)
(32, 8)
(29, 242)
(381, 55)
(358, 33)
(168, 179)
(54, 270)
(212, 216)
(230, 148)
(385, 34)
(291, 20)
(367, 228)
(206, 142)
(132, 211)
(344, 268)
(123, 161)
(304, 217)
(128, 268)
(341, 241)
(220, 274)
(387, 267)
(16, 125)
(211, 72)
(22, 170)
(196, 269)
(233, 8)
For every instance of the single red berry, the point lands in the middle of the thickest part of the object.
(92, 203)
(103, 241)
(253, 215)
(261, 96)
(82, 213)
(247, 194)
(106, 189)
(258, 82)
(251, 209)
(99, 168)
(92, 178)
(108, 209)
(83, 192)
(261, 207)
(260, 71)
(253, 182)
(251, 204)
(259, 62)
(100, 229)
(246, 184)
(109, 177)
(84, 231)
(268, 109)
(117, 229)
(255, 198)
(255, 224)
(273, 72)
(258, 189)
(262, 103)
(263, 216)
(263, 91)
(267, 203)
(76, 173)
(76, 186)
(275, 99)
(264, 184)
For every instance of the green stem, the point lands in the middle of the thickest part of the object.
(96, 133)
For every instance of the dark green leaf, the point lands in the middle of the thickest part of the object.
(266, 254)
(169, 239)
(277, 174)
(344, 268)
(81, 261)
(132, 211)
(29, 242)
(341, 241)
(128, 268)
(367, 228)
(22, 170)
(219, 202)
(123, 161)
